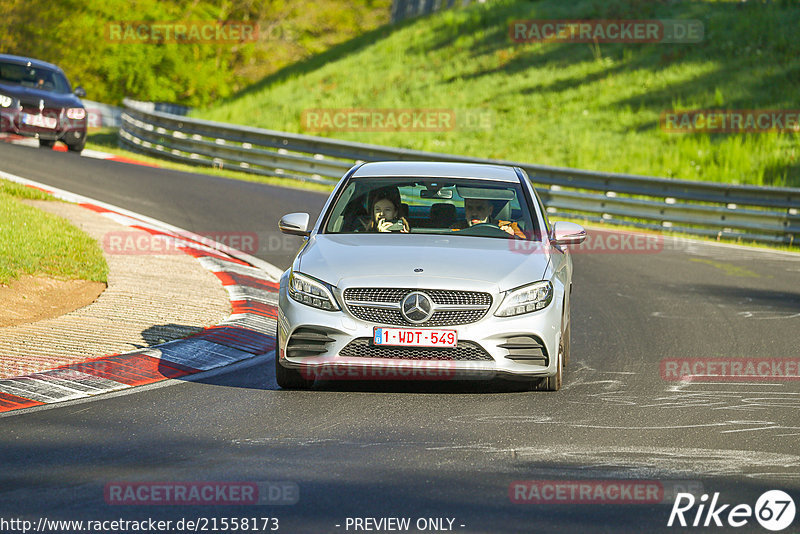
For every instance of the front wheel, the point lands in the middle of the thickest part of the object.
(290, 378)
(553, 383)
(78, 147)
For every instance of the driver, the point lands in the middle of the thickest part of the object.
(479, 211)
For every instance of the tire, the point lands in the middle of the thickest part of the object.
(553, 383)
(290, 378)
(77, 148)
(46, 143)
(568, 331)
(566, 338)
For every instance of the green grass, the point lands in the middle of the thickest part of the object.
(593, 107)
(22, 191)
(38, 243)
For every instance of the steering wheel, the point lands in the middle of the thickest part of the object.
(485, 230)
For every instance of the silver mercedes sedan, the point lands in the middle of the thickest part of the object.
(427, 271)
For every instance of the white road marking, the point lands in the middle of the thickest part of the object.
(59, 385)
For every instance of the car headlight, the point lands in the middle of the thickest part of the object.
(76, 113)
(307, 290)
(526, 299)
(6, 101)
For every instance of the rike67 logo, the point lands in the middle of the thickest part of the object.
(774, 510)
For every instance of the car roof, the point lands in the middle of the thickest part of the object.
(437, 169)
(25, 60)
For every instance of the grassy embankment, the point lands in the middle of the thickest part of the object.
(589, 106)
(38, 243)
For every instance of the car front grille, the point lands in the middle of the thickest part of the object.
(464, 351)
(33, 109)
(382, 305)
(29, 107)
(439, 296)
(375, 294)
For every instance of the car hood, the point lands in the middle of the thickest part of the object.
(348, 260)
(30, 95)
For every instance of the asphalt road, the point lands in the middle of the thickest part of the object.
(423, 450)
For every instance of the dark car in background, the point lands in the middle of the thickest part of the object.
(36, 100)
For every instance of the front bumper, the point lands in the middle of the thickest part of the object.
(491, 334)
(71, 131)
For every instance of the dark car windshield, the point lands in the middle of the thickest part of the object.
(34, 77)
(449, 206)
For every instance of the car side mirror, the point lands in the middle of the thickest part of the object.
(80, 92)
(567, 233)
(294, 224)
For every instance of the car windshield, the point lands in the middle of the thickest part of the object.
(34, 77)
(451, 206)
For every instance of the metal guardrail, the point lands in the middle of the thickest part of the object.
(164, 107)
(404, 9)
(101, 115)
(766, 214)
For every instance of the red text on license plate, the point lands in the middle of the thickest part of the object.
(411, 337)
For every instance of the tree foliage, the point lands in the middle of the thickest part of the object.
(74, 34)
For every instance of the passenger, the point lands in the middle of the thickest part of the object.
(479, 211)
(384, 209)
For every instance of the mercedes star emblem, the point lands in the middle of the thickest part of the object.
(417, 307)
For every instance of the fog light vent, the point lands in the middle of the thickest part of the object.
(526, 349)
(307, 342)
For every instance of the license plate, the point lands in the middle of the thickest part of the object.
(414, 337)
(39, 120)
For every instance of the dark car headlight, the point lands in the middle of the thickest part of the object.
(526, 299)
(312, 292)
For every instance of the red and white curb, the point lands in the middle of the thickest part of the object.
(252, 286)
(94, 154)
